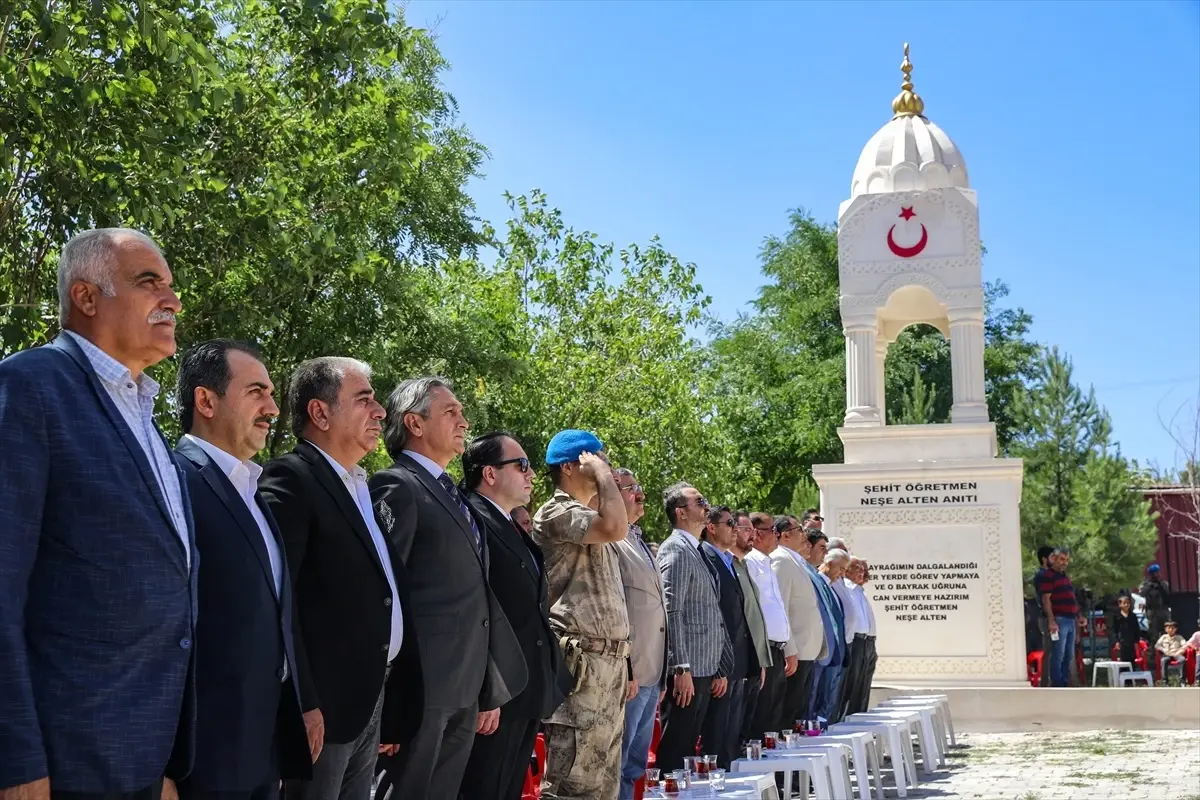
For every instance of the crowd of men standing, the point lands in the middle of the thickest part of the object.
(185, 622)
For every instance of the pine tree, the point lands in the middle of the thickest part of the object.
(917, 403)
(1078, 488)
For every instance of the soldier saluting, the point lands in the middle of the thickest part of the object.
(587, 612)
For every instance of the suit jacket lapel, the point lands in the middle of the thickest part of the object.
(227, 494)
(508, 534)
(448, 503)
(67, 346)
(341, 497)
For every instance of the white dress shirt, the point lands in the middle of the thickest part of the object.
(770, 599)
(695, 542)
(435, 469)
(244, 476)
(135, 402)
(356, 484)
(855, 623)
(868, 612)
(496, 505)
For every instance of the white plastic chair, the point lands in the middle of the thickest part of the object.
(920, 720)
(840, 755)
(942, 701)
(893, 741)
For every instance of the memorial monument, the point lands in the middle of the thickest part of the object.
(931, 507)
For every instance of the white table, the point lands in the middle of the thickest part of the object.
(814, 766)
(919, 699)
(840, 755)
(737, 787)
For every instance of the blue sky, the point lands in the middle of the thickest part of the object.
(704, 123)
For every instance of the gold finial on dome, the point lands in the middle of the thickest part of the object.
(908, 102)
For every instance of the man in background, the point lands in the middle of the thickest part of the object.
(756, 625)
(1157, 594)
(766, 712)
(1061, 608)
(497, 476)
(700, 652)
(648, 636)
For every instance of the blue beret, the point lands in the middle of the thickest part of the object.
(1153, 568)
(567, 445)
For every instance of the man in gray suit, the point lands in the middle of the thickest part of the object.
(471, 659)
(699, 653)
(807, 642)
(648, 635)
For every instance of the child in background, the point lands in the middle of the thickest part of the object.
(1170, 647)
(1126, 632)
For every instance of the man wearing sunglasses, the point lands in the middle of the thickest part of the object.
(496, 480)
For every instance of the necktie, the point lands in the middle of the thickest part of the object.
(452, 490)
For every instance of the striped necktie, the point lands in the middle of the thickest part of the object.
(456, 496)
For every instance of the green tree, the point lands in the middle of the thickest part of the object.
(1077, 488)
(298, 161)
(916, 403)
(596, 338)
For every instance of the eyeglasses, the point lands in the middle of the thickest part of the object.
(522, 464)
(701, 502)
(633, 487)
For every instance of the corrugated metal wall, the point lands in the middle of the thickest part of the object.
(1176, 555)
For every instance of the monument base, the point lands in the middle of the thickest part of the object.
(992, 710)
(942, 537)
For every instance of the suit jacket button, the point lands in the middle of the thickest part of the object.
(539, 642)
(661, 630)
(384, 648)
(387, 601)
(185, 643)
(485, 623)
(279, 673)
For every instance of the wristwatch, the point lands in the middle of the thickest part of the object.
(681, 669)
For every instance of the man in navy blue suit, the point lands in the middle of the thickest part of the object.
(249, 729)
(97, 563)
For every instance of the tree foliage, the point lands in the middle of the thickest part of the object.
(1078, 488)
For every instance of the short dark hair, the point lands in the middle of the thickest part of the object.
(714, 514)
(781, 524)
(760, 518)
(206, 364)
(318, 379)
(739, 514)
(483, 451)
(1044, 552)
(815, 536)
(674, 499)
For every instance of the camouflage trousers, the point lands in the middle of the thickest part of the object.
(583, 737)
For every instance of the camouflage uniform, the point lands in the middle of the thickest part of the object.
(587, 610)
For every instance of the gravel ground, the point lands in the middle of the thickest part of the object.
(1097, 765)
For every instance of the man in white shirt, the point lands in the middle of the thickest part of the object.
(765, 713)
(249, 729)
(856, 635)
(859, 695)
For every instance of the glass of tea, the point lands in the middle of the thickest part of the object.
(653, 778)
(716, 780)
(754, 749)
(770, 739)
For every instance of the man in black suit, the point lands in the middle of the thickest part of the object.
(249, 729)
(471, 660)
(723, 721)
(356, 650)
(497, 479)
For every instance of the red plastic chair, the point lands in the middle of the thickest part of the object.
(1189, 666)
(533, 779)
(1033, 668)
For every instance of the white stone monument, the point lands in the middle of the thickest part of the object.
(931, 507)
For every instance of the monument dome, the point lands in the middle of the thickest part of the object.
(909, 153)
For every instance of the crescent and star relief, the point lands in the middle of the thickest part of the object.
(907, 213)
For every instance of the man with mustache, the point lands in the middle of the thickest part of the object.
(497, 477)
(97, 563)
(356, 651)
(249, 729)
(471, 660)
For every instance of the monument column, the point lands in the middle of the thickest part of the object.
(966, 366)
(881, 347)
(860, 374)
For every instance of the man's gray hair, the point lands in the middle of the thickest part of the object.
(623, 472)
(1061, 551)
(91, 256)
(413, 396)
(319, 379)
(838, 544)
(836, 554)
